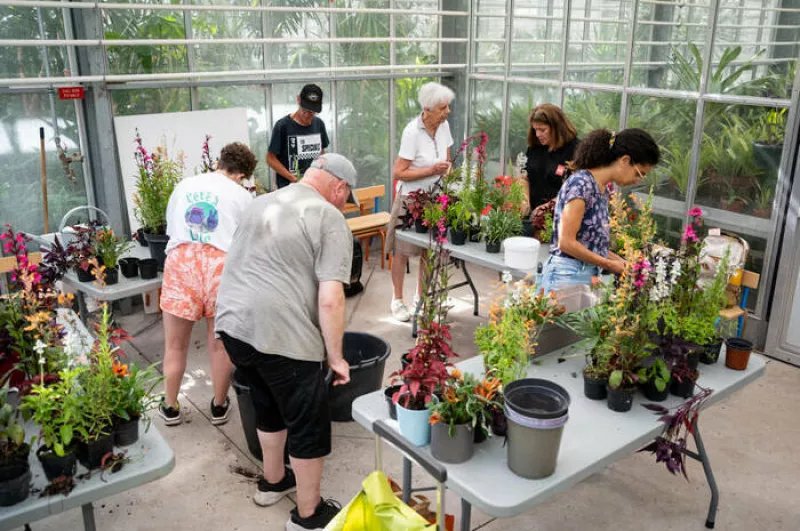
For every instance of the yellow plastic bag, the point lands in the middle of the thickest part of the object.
(376, 508)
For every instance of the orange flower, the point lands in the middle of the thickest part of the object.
(120, 369)
(450, 396)
(488, 388)
(455, 374)
(435, 417)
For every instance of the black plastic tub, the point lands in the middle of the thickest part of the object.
(366, 355)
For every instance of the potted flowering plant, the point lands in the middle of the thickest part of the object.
(426, 370)
(592, 324)
(110, 248)
(474, 190)
(157, 176)
(15, 473)
(82, 250)
(133, 396)
(416, 203)
(57, 409)
(655, 380)
(457, 414)
(459, 218)
(630, 222)
(97, 392)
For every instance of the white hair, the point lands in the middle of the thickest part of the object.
(433, 94)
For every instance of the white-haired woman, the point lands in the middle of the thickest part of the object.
(423, 158)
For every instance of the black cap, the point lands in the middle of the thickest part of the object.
(311, 98)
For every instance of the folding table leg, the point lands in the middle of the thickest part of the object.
(82, 309)
(476, 300)
(406, 480)
(702, 456)
(88, 517)
(466, 515)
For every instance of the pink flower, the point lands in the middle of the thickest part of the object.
(444, 200)
(696, 212)
(639, 283)
(689, 235)
(37, 278)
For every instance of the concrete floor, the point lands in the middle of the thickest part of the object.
(753, 439)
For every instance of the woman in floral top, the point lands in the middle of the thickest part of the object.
(580, 223)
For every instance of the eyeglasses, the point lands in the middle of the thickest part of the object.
(639, 172)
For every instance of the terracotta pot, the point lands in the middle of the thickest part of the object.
(737, 353)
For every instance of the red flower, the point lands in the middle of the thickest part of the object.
(486, 210)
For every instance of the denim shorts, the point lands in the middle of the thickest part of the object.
(560, 272)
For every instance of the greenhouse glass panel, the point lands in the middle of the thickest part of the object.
(670, 39)
(740, 156)
(589, 110)
(490, 36)
(28, 61)
(670, 122)
(536, 45)
(210, 25)
(252, 98)
(362, 128)
(126, 24)
(150, 101)
(363, 25)
(521, 101)
(486, 115)
(598, 40)
(21, 116)
(299, 25)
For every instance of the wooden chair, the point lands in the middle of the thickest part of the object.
(749, 280)
(368, 197)
(365, 227)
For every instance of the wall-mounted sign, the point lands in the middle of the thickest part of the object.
(70, 93)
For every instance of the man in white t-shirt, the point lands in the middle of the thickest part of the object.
(423, 158)
(202, 215)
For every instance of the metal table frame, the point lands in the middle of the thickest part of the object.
(634, 430)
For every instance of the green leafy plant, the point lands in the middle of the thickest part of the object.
(462, 400)
(501, 224)
(658, 373)
(110, 247)
(134, 390)
(58, 410)
(688, 70)
(772, 127)
(591, 324)
(459, 216)
(12, 433)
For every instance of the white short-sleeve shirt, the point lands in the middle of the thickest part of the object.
(206, 209)
(423, 150)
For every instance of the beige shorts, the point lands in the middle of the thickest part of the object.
(395, 246)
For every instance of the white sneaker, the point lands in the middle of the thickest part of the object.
(415, 304)
(400, 311)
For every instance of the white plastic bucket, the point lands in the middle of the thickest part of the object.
(521, 252)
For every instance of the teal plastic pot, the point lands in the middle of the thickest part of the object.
(414, 425)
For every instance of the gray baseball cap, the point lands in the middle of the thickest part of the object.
(341, 168)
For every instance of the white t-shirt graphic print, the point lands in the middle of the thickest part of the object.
(206, 209)
(304, 147)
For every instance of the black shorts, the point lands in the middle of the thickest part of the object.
(288, 395)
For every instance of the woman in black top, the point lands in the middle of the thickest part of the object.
(552, 140)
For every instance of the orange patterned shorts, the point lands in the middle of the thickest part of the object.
(191, 279)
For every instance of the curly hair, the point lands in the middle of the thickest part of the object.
(237, 158)
(552, 116)
(601, 148)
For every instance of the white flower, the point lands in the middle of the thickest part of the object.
(675, 272)
(507, 278)
(39, 348)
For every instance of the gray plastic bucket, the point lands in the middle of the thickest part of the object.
(536, 411)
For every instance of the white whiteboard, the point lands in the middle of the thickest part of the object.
(178, 132)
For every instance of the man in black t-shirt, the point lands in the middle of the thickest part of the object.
(298, 138)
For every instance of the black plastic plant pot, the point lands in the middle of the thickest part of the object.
(595, 388)
(652, 393)
(683, 388)
(527, 228)
(148, 268)
(458, 237)
(129, 267)
(111, 275)
(158, 248)
(140, 237)
(366, 354)
(55, 466)
(126, 432)
(475, 234)
(493, 247)
(479, 435)
(15, 483)
(693, 359)
(388, 393)
(419, 227)
(710, 354)
(91, 454)
(620, 400)
(84, 276)
(405, 361)
(499, 422)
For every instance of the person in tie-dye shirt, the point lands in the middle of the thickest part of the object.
(580, 222)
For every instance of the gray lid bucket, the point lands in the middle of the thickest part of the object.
(537, 399)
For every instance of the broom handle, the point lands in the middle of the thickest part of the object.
(43, 171)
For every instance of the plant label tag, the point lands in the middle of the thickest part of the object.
(560, 170)
(714, 232)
